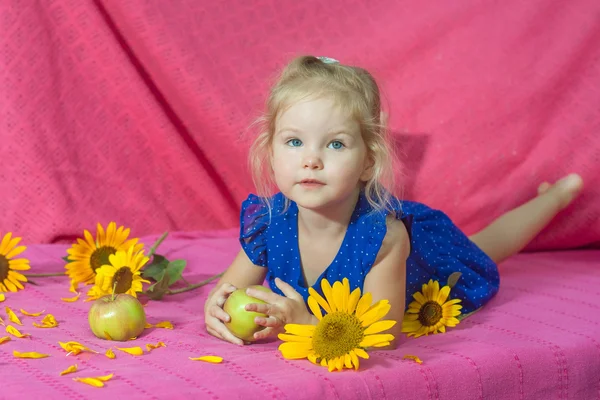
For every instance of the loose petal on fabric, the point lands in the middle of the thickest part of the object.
(134, 351)
(71, 299)
(151, 346)
(69, 370)
(2, 297)
(15, 332)
(30, 314)
(75, 348)
(97, 381)
(163, 324)
(30, 354)
(13, 317)
(4, 339)
(208, 359)
(415, 358)
(110, 354)
(48, 322)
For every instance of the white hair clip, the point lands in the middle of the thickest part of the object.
(328, 60)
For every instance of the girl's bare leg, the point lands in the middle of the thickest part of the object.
(512, 231)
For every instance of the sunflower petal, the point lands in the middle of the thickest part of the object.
(315, 308)
(208, 359)
(4, 339)
(2, 297)
(69, 370)
(337, 291)
(328, 292)
(375, 313)
(372, 340)
(150, 346)
(71, 299)
(363, 304)
(30, 314)
(415, 358)
(15, 332)
(379, 326)
(443, 295)
(29, 354)
(353, 300)
(110, 354)
(164, 324)
(295, 350)
(354, 360)
(322, 302)
(294, 338)
(347, 361)
(434, 290)
(300, 330)
(4, 244)
(12, 316)
(16, 251)
(134, 351)
(361, 353)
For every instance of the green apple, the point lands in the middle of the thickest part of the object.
(117, 317)
(242, 322)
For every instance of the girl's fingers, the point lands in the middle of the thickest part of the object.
(269, 322)
(265, 333)
(287, 290)
(260, 308)
(219, 314)
(222, 332)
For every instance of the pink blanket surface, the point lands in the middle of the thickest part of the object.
(537, 339)
(136, 110)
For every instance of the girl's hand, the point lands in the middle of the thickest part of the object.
(215, 316)
(280, 310)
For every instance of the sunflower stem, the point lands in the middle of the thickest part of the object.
(45, 275)
(195, 286)
(156, 244)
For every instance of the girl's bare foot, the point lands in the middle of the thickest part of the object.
(565, 190)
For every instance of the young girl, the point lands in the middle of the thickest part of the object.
(323, 144)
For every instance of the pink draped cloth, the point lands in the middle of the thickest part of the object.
(137, 110)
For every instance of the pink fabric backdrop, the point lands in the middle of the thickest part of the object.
(134, 110)
(537, 339)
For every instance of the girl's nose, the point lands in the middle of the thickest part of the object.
(313, 162)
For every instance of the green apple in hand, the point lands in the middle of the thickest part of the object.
(117, 317)
(242, 322)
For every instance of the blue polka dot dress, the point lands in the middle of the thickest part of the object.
(438, 248)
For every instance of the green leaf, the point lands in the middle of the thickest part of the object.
(66, 259)
(453, 278)
(156, 269)
(174, 270)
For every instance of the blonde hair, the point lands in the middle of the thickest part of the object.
(354, 89)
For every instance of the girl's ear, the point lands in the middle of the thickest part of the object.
(368, 170)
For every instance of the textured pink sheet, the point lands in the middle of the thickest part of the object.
(538, 339)
(132, 110)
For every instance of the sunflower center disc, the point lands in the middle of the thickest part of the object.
(123, 278)
(100, 256)
(336, 335)
(430, 313)
(3, 268)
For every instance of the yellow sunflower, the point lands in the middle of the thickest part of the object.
(430, 312)
(86, 256)
(350, 325)
(122, 273)
(10, 279)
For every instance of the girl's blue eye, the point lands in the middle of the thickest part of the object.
(294, 142)
(336, 145)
